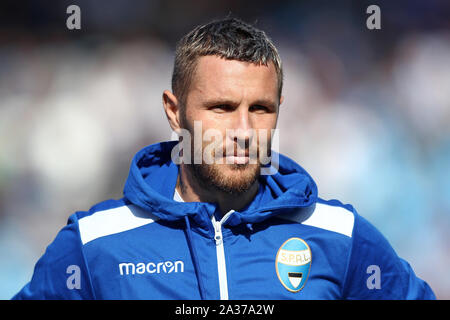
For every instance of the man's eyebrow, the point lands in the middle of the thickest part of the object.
(220, 101)
(265, 102)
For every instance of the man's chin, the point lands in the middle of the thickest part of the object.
(227, 178)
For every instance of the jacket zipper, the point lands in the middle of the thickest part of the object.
(221, 266)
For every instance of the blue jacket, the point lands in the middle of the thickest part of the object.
(286, 244)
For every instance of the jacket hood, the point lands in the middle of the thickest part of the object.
(153, 177)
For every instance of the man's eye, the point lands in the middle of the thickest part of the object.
(259, 108)
(221, 108)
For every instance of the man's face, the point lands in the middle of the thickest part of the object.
(240, 101)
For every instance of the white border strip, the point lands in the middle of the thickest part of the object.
(111, 221)
(331, 218)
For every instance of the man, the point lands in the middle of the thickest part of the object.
(206, 218)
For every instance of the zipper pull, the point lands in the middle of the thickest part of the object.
(217, 232)
(218, 227)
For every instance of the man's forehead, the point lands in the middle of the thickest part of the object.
(215, 75)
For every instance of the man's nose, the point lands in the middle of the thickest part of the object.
(243, 131)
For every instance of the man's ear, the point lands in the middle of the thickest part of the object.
(172, 109)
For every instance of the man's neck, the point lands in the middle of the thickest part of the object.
(192, 190)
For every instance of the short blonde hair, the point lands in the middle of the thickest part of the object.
(229, 38)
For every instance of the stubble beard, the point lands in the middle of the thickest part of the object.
(212, 176)
(231, 179)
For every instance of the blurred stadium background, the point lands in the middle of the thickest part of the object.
(366, 112)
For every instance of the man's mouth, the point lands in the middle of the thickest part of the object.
(237, 159)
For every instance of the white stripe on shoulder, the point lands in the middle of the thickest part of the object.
(326, 217)
(332, 218)
(111, 221)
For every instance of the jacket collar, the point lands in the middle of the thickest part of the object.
(153, 176)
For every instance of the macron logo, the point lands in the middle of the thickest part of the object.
(127, 268)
